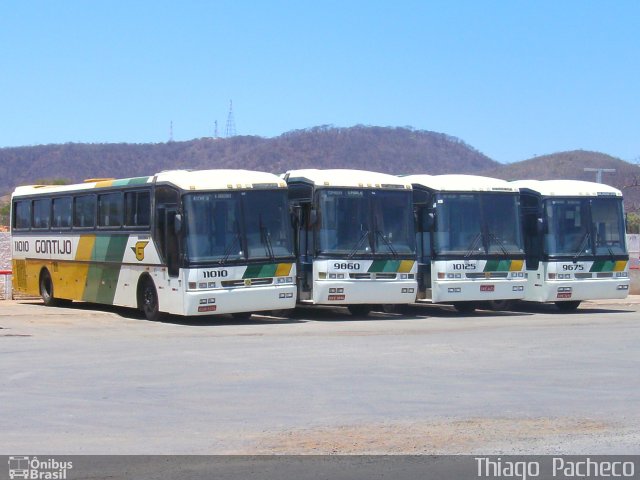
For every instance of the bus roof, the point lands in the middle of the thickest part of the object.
(567, 188)
(461, 183)
(183, 179)
(338, 177)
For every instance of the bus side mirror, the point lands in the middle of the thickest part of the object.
(296, 210)
(429, 221)
(177, 223)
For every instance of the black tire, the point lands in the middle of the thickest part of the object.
(284, 312)
(465, 307)
(500, 305)
(149, 301)
(359, 310)
(242, 315)
(571, 306)
(46, 289)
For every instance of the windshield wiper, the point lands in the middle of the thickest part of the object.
(229, 248)
(499, 242)
(265, 238)
(584, 243)
(359, 244)
(474, 244)
(387, 243)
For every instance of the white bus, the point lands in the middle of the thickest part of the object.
(470, 246)
(354, 236)
(574, 241)
(179, 242)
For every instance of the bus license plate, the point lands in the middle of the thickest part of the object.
(487, 288)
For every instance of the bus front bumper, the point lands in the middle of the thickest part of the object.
(451, 291)
(237, 300)
(562, 291)
(339, 292)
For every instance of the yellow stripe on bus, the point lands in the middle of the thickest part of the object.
(405, 266)
(516, 265)
(85, 247)
(620, 265)
(283, 269)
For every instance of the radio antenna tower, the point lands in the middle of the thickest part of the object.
(231, 123)
(215, 129)
(171, 131)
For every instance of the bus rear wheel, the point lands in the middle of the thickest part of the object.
(571, 306)
(149, 301)
(46, 289)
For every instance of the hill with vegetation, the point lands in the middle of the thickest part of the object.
(383, 149)
(392, 150)
(571, 165)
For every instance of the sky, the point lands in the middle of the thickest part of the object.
(513, 78)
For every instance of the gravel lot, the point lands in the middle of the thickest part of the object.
(91, 379)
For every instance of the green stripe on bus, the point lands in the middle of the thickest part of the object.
(260, 271)
(602, 266)
(102, 278)
(130, 181)
(379, 266)
(497, 266)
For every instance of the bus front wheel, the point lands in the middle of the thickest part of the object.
(359, 310)
(465, 307)
(568, 306)
(149, 301)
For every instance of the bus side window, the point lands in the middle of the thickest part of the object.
(61, 212)
(137, 208)
(41, 213)
(22, 214)
(84, 211)
(110, 209)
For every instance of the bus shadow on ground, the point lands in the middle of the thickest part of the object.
(533, 308)
(449, 311)
(415, 312)
(199, 321)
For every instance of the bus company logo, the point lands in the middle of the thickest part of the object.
(139, 249)
(33, 468)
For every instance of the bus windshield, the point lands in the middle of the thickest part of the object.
(366, 222)
(584, 227)
(235, 226)
(472, 224)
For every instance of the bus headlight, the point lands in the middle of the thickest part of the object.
(622, 274)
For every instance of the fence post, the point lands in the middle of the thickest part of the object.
(8, 293)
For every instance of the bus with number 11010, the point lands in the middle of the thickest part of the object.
(179, 242)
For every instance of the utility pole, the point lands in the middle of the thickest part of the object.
(599, 172)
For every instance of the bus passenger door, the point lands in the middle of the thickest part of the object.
(165, 229)
(305, 252)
